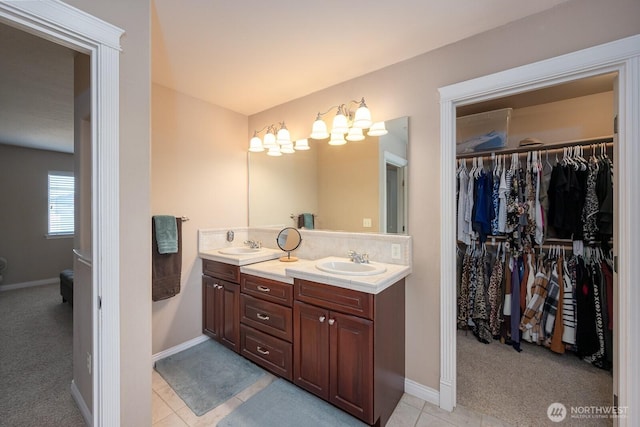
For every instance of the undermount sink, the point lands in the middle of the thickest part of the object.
(350, 268)
(240, 250)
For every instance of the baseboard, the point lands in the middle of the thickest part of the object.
(84, 409)
(178, 348)
(425, 393)
(13, 286)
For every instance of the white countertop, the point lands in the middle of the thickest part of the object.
(274, 269)
(266, 264)
(265, 254)
(373, 284)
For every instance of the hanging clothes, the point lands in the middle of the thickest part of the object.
(532, 315)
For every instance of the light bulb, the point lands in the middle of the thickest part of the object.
(319, 129)
(274, 151)
(355, 134)
(255, 145)
(284, 137)
(287, 148)
(377, 129)
(340, 123)
(337, 139)
(362, 118)
(269, 140)
(302, 144)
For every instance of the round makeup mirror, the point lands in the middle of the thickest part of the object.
(288, 240)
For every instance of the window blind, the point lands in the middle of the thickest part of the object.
(61, 195)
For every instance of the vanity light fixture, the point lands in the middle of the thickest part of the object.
(346, 122)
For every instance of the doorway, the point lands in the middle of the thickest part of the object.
(79, 31)
(395, 208)
(622, 57)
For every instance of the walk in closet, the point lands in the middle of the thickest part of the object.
(535, 266)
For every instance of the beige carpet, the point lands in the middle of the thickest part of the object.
(519, 387)
(36, 339)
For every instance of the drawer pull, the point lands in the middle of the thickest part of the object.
(262, 351)
(263, 288)
(332, 321)
(321, 319)
(262, 316)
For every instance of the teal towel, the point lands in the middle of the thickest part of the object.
(308, 221)
(166, 234)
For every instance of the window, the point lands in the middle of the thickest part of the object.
(61, 194)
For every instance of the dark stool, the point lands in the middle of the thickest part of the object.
(66, 286)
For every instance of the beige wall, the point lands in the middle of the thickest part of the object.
(411, 88)
(23, 186)
(199, 170)
(135, 206)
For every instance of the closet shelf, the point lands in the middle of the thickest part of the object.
(545, 147)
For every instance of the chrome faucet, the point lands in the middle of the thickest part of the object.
(359, 258)
(253, 244)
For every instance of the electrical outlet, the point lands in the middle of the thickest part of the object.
(366, 222)
(395, 251)
(89, 362)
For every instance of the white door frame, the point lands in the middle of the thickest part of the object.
(68, 26)
(623, 57)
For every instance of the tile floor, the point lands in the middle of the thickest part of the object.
(169, 410)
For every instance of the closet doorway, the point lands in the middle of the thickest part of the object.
(619, 57)
(535, 332)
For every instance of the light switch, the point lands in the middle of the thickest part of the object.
(366, 222)
(395, 251)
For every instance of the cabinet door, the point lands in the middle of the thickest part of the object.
(211, 312)
(229, 304)
(311, 349)
(351, 364)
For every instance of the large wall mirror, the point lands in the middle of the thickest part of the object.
(357, 187)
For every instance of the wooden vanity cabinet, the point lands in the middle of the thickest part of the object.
(221, 303)
(266, 324)
(349, 347)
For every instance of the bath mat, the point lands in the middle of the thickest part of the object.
(207, 374)
(282, 404)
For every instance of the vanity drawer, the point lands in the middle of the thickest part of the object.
(221, 270)
(335, 298)
(267, 317)
(271, 353)
(266, 289)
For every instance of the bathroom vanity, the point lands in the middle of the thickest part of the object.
(337, 334)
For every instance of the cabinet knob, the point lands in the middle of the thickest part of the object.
(263, 288)
(321, 319)
(332, 321)
(262, 351)
(219, 286)
(262, 316)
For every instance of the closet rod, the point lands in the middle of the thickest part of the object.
(553, 241)
(608, 140)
